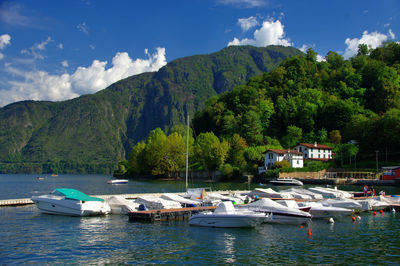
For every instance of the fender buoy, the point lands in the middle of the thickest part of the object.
(309, 232)
(374, 213)
(353, 219)
(381, 211)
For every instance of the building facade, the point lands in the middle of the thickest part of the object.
(314, 151)
(294, 158)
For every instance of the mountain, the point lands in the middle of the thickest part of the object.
(92, 132)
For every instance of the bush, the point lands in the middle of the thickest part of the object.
(282, 164)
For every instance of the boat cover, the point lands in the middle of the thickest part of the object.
(74, 194)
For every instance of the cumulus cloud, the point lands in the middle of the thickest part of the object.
(373, 40)
(4, 41)
(64, 63)
(247, 23)
(271, 32)
(40, 85)
(391, 34)
(36, 50)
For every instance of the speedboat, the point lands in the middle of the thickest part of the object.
(72, 202)
(318, 210)
(225, 215)
(117, 181)
(286, 182)
(278, 213)
(120, 205)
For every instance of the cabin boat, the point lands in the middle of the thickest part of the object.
(117, 181)
(71, 202)
(225, 215)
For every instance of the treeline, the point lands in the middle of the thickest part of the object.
(56, 168)
(334, 102)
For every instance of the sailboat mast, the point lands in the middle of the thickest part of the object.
(187, 151)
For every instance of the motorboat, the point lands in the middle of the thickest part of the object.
(183, 201)
(318, 210)
(117, 181)
(120, 205)
(278, 213)
(72, 202)
(156, 203)
(343, 203)
(269, 193)
(286, 182)
(328, 192)
(303, 193)
(225, 215)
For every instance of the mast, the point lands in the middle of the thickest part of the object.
(187, 151)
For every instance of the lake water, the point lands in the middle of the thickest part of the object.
(29, 237)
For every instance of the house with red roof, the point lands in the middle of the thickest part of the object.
(294, 158)
(314, 151)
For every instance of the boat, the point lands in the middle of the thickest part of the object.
(71, 202)
(318, 210)
(117, 181)
(286, 182)
(279, 213)
(155, 203)
(120, 205)
(225, 215)
(269, 193)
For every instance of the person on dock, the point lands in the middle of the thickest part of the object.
(373, 191)
(365, 190)
(382, 193)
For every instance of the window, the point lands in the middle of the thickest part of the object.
(270, 156)
(300, 149)
(298, 162)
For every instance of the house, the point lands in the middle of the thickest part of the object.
(391, 172)
(294, 158)
(314, 151)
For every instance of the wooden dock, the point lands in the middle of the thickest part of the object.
(167, 214)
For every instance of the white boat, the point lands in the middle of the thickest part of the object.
(117, 181)
(269, 193)
(155, 203)
(318, 210)
(280, 214)
(183, 201)
(72, 202)
(286, 182)
(343, 203)
(302, 193)
(225, 215)
(326, 192)
(120, 205)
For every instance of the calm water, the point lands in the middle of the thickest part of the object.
(28, 237)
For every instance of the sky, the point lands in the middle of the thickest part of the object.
(59, 50)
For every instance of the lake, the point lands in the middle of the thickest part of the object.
(29, 237)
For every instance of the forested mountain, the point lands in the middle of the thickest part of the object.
(303, 100)
(351, 105)
(92, 132)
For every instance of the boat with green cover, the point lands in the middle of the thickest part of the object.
(72, 202)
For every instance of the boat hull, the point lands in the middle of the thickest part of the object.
(226, 220)
(70, 207)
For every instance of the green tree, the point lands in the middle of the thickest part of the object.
(237, 146)
(251, 128)
(210, 151)
(175, 153)
(335, 137)
(293, 136)
(136, 159)
(155, 152)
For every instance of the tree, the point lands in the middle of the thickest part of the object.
(251, 128)
(335, 137)
(293, 136)
(362, 49)
(237, 146)
(175, 153)
(136, 158)
(210, 151)
(155, 152)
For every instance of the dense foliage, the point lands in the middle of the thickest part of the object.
(96, 131)
(352, 105)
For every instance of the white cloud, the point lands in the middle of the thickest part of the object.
(373, 40)
(247, 23)
(40, 85)
(391, 34)
(243, 3)
(42, 46)
(4, 41)
(36, 50)
(83, 28)
(271, 32)
(64, 63)
(60, 46)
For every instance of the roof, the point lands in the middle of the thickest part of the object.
(315, 145)
(390, 167)
(277, 151)
(74, 194)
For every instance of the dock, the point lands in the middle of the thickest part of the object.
(167, 214)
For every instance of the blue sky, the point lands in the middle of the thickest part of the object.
(58, 50)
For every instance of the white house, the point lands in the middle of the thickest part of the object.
(295, 158)
(314, 151)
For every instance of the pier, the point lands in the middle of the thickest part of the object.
(167, 214)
